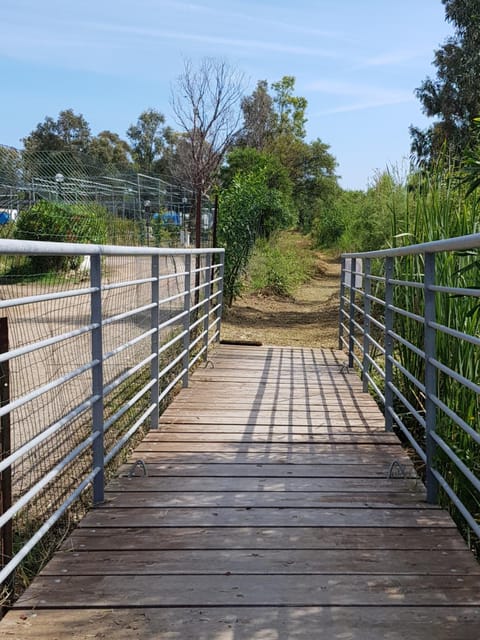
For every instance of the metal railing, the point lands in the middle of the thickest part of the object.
(410, 324)
(86, 360)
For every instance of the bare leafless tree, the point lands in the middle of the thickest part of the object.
(206, 103)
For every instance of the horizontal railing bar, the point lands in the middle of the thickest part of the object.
(408, 344)
(172, 320)
(172, 363)
(375, 278)
(406, 314)
(126, 345)
(36, 247)
(407, 283)
(176, 296)
(126, 283)
(407, 374)
(52, 429)
(454, 333)
(456, 419)
(358, 308)
(127, 314)
(126, 436)
(461, 291)
(128, 405)
(375, 299)
(372, 382)
(172, 341)
(39, 391)
(461, 466)
(127, 374)
(376, 344)
(451, 244)
(375, 365)
(46, 479)
(375, 322)
(47, 525)
(48, 342)
(199, 354)
(407, 404)
(46, 297)
(421, 453)
(472, 523)
(456, 376)
(170, 386)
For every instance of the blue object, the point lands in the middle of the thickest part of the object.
(4, 217)
(171, 217)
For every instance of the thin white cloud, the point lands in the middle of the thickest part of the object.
(392, 58)
(365, 96)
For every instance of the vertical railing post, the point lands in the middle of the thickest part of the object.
(351, 313)
(6, 533)
(221, 275)
(206, 302)
(367, 309)
(430, 375)
(155, 340)
(97, 378)
(342, 305)
(389, 317)
(187, 300)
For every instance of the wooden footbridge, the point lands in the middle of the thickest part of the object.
(274, 506)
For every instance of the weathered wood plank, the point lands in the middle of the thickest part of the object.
(266, 517)
(249, 499)
(247, 623)
(258, 590)
(258, 562)
(359, 539)
(262, 483)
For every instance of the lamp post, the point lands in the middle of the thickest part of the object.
(59, 179)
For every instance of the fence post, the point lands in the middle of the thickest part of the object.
(430, 375)
(351, 313)
(367, 308)
(6, 539)
(221, 275)
(186, 318)
(206, 303)
(155, 340)
(342, 305)
(97, 378)
(389, 316)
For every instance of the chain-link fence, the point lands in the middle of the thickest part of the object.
(137, 209)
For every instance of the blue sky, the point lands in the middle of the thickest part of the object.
(357, 62)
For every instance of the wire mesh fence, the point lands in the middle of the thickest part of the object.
(135, 209)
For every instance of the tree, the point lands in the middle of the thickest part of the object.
(258, 118)
(290, 109)
(148, 139)
(206, 105)
(453, 97)
(109, 153)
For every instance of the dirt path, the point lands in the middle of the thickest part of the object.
(309, 320)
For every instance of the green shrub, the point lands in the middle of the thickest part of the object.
(58, 222)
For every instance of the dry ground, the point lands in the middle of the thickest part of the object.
(310, 319)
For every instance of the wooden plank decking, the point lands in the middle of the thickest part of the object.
(267, 514)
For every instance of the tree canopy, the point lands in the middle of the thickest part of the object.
(453, 96)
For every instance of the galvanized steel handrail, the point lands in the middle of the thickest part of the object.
(371, 290)
(193, 326)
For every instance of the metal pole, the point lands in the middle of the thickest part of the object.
(351, 326)
(389, 317)
(430, 375)
(206, 302)
(342, 294)
(97, 378)
(367, 309)
(186, 319)
(155, 340)
(6, 539)
(220, 296)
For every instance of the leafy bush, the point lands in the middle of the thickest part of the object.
(58, 222)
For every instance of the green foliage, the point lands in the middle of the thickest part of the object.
(453, 97)
(248, 209)
(280, 265)
(56, 222)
